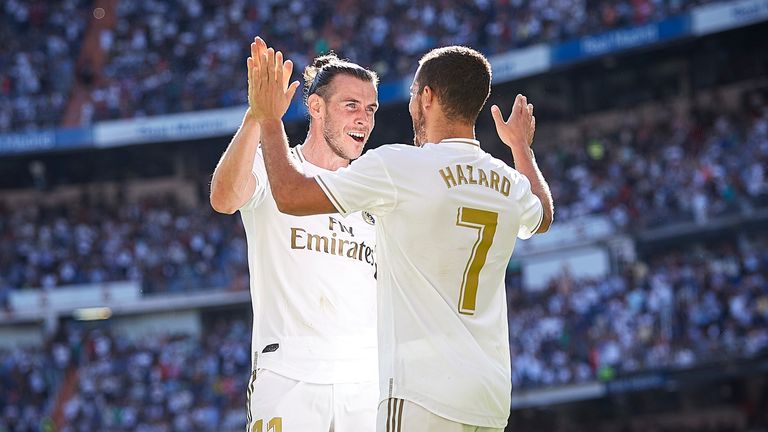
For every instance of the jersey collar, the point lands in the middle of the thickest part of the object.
(462, 143)
(298, 152)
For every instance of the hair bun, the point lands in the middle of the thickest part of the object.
(311, 70)
(323, 60)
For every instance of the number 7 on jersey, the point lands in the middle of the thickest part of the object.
(485, 223)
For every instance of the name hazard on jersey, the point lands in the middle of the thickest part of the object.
(332, 245)
(471, 175)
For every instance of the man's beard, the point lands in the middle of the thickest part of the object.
(333, 139)
(419, 129)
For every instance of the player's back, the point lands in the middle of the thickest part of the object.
(443, 251)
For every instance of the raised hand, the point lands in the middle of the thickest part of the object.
(269, 94)
(258, 48)
(517, 131)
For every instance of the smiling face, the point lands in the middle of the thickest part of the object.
(348, 115)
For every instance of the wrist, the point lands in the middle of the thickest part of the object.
(250, 117)
(271, 123)
(521, 151)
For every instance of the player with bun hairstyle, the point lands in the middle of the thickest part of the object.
(312, 278)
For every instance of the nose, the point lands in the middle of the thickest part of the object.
(363, 120)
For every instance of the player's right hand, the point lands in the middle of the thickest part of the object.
(258, 48)
(517, 131)
(270, 91)
(259, 54)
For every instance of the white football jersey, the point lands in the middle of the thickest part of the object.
(313, 288)
(447, 216)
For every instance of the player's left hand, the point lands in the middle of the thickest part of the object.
(270, 94)
(517, 131)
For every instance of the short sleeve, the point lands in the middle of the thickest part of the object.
(262, 183)
(364, 185)
(531, 210)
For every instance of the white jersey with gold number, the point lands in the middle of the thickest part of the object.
(447, 218)
(313, 289)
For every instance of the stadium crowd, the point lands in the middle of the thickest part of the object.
(676, 309)
(164, 245)
(26, 384)
(175, 56)
(645, 172)
(673, 310)
(641, 174)
(39, 45)
(162, 383)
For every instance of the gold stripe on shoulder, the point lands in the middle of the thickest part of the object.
(331, 196)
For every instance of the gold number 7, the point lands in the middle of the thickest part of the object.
(485, 223)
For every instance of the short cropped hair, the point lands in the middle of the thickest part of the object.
(461, 79)
(319, 74)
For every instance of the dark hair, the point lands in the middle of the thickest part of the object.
(319, 74)
(461, 79)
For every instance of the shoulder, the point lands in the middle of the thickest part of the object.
(502, 166)
(393, 150)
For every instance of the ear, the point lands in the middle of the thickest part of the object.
(315, 105)
(428, 97)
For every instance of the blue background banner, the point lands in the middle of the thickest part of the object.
(620, 40)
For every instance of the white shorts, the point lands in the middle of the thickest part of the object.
(277, 403)
(400, 415)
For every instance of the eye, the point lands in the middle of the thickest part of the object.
(371, 110)
(352, 105)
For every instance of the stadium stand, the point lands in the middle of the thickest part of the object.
(173, 382)
(641, 171)
(25, 388)
(164, 57)
(660, 165)
(698, 304)
(166, 246)
(673, 335)
(39, 43)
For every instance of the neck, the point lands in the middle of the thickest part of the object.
(318, 153)
(448, 129)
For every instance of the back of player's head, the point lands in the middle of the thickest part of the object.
(319, 75)
(461, 79)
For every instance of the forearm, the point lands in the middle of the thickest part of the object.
(294, 193)
(525, 163)
(233, 182)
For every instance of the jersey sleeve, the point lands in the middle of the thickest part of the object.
(531, 210)
(364, 185)
(259, 171)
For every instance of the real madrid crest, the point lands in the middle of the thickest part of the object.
(368, 218)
